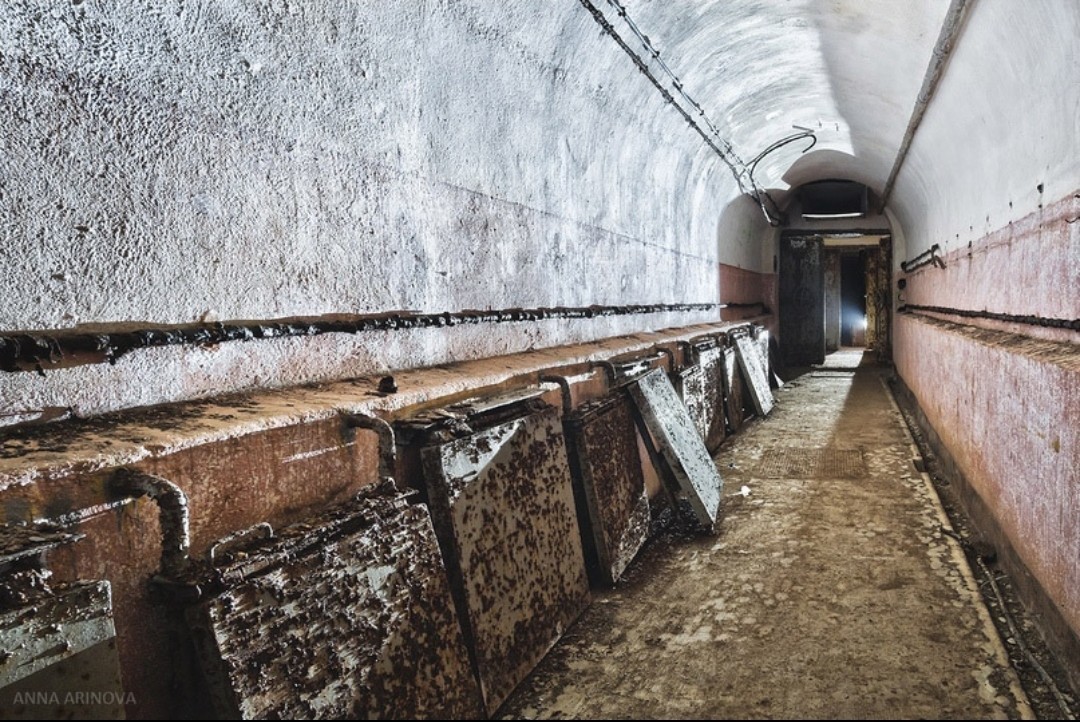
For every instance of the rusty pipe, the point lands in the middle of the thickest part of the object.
(612, 372)
(172, 512)
(387, 445)
(564, 387)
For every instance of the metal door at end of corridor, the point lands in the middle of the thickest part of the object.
(802, 300)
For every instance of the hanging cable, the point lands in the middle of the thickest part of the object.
(740, 170)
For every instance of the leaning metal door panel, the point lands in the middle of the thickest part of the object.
(502, 501)
(347, 616)
(761, 343)
(607, 466)
(711, 361)
(670, 425)
(690, 385)
(733, 390)
(756, 380)
(58, 657)
(802, 301)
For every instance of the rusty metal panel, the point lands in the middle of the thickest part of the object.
(348, 615)
(711, 361)
(670, 425)
(58, 654)
(761, 344)
(756, 380)
(502, 501)
(690, 385)
(733, 391)
(832, 299)
(603, 443)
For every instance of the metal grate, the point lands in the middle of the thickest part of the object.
(828, 463)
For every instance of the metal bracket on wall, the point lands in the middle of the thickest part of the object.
(672, 365)
(172, 512)
(564, 388)
(926, 258)
(387, 445)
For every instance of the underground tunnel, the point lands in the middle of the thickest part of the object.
(591, 359)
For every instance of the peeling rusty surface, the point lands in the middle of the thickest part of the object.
(72, 618)
(670, 425)
(756, 380)
(346, 616)
(690, 385)
(19, 541)
(711, 361)
(761, 344)
(733, 391)
(604, 446)
(58, 656)
(502, 502)
(24, 576)
(285, 453)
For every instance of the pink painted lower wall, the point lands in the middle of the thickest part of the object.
(1004, 398)
(1030, 267)
(1007, 409)
(750, 295)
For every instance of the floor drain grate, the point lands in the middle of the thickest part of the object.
(813, 464)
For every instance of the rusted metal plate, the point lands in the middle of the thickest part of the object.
(733, 390)
(346, 616)
(20, 542)
(58, 656)
(670, 425)
(800, 463)
(603, 444)
(761, 344)
(711, 360)
(690, 385)
(756, 380)
(502, 501)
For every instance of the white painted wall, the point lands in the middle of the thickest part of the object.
(172, 162)
(1005, 119)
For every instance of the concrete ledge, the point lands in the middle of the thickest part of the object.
(85, 446)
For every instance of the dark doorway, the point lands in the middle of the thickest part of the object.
(802, 300)
(852, 300)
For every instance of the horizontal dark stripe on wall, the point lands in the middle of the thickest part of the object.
(38, 350)
(1073, 324)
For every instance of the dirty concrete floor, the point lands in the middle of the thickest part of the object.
(830, 590)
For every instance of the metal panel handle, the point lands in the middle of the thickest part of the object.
(172, 511)
(387, 445)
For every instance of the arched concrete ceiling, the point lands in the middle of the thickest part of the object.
(848, 69)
